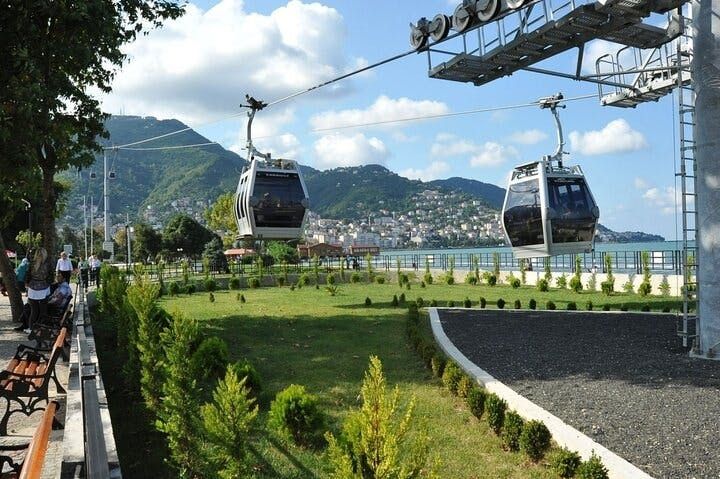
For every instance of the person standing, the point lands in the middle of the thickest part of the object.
(95, 270)
(64, 266)
(84, 272)
(21, 272)
(37, 282)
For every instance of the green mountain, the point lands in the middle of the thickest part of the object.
(493, 195)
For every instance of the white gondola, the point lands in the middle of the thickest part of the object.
(549, 209)
(271, 200)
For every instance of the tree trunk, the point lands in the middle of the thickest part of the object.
(47, 211)
(8, 274)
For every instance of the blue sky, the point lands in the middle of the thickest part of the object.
(198, 69)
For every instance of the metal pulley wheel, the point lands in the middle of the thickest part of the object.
(487, 9)
(419, 34)
(515, 4)
(463, 17)
(439, 27)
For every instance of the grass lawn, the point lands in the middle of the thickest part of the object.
(323, 342)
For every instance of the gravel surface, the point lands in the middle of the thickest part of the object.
(622, 379)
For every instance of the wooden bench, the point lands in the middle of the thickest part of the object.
(26, 379)
(44, 333)
(32, 464)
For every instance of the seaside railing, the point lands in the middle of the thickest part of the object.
(659, 262)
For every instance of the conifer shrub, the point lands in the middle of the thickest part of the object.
(589, 306)
(191, 288)
(451, 304)
(254, 282)
(666, 309)
(664, 286)
(280, 281)
(495, 412)
(210, 359)
(355, 277)
(550, 305)
(451, 377)
(464, 385)
(237, 296)
(330, 279)
(475, 401)
(211, 298)
(542, 285)
(449, 279)
(500, 303)
(407, 286)
(234, 283)
(467, 303)
(437, 364)
(413, 312)
(210, 285)
(511, 430)
(535, 440)
(433, 303)
(532, 304)
(295, 414)
(645, 308)
(561, 281)
(471, 279)
(576, 284)
(420, 302)
(623, 307)
(394, 303)
(491, 280)
(242, 298)
(565, 462)
(483, 302)
(606, 307)
(572, 306)
(402, 299)
(515, 283)
(427, 278)
(645, 288)
(380, 279)
(368, 301)
(304, 280)
(422, 284)
(517, 304)
(628, 286)
(593, 468)
(244, 369)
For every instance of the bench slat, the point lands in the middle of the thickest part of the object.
(35, 457)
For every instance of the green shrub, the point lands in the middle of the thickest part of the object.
(280, 281)
(304, 280)
(451, 304)
(394, 303)
(464, 385)
(210, 285)
(535, 440)
(244, 369)
(210, 359)
(666, 309)
(380, 279)
(608, 287)
(593, 468)
(645, 288)
(512, 428)
(606, 307)
(433, 303)
(495, 411)
(234, 283)
(501, 303)
(437, 364)
(629, 287)
(589, 305)
(211, 298)
(476, 401)
(517, 304)
(242, 298)
(572, 306)
(295, 415)
(330, 279)
(427, 278)
(449, 279)
(565, 462)
(550, 305)
(422, 284)
(451, 377)
(623, 307)
(532, 304)
(515, 283)
(467, 303)
(191, 288)
(542, 285)
(402, 299)
(413, 312)
(664, 286)
(576, 284)
(491, 280)
(561, 281)
(368, 301)
(420, 302)
(470, 278)
(254, 282)
(645, 308)
(483, 302)
(355, 277)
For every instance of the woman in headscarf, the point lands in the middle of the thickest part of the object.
(38, 286)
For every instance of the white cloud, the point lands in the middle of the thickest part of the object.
(616, 137)
(435, 170)
(664, 199)
(383, 109)
(268, 136)
(493, 154)
(199, 66)
(336, 150)
(528, 137)
(641, 184)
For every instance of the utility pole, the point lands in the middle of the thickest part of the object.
(85, 236)
(106, 198)
(128, 230)
(92, 223)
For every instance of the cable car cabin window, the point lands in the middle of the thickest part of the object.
(523, 214)
(572, 203)
(280, 198)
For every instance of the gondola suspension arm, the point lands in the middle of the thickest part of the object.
(254, 106)
(553, 103)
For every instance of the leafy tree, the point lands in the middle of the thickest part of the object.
(184, 233)
(221, 217)
(215, 255)
(282, 252)
(147, 242)
(227, 423)
(178, 416)
(76, 48)
(378, 440)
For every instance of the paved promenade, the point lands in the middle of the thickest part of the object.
(21, 427)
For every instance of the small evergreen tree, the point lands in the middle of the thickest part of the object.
(496, 265)
(370, 270)
(645, 287)
(548, 272)
(399, 273)
(664, 286)
(316, 269)
(476, 268)
(608, 286)
(523, 270)
(428, 275)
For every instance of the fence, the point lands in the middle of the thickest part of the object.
(660, 262)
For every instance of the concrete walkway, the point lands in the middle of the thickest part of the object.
(21, 427)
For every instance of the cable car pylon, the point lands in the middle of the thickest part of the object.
(549, 208)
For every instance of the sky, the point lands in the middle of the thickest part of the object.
(198, 69)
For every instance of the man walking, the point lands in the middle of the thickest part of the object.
(64, 266)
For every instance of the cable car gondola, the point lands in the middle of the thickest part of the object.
(549, 209)
(271, 201)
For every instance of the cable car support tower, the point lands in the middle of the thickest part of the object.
(484, 40)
